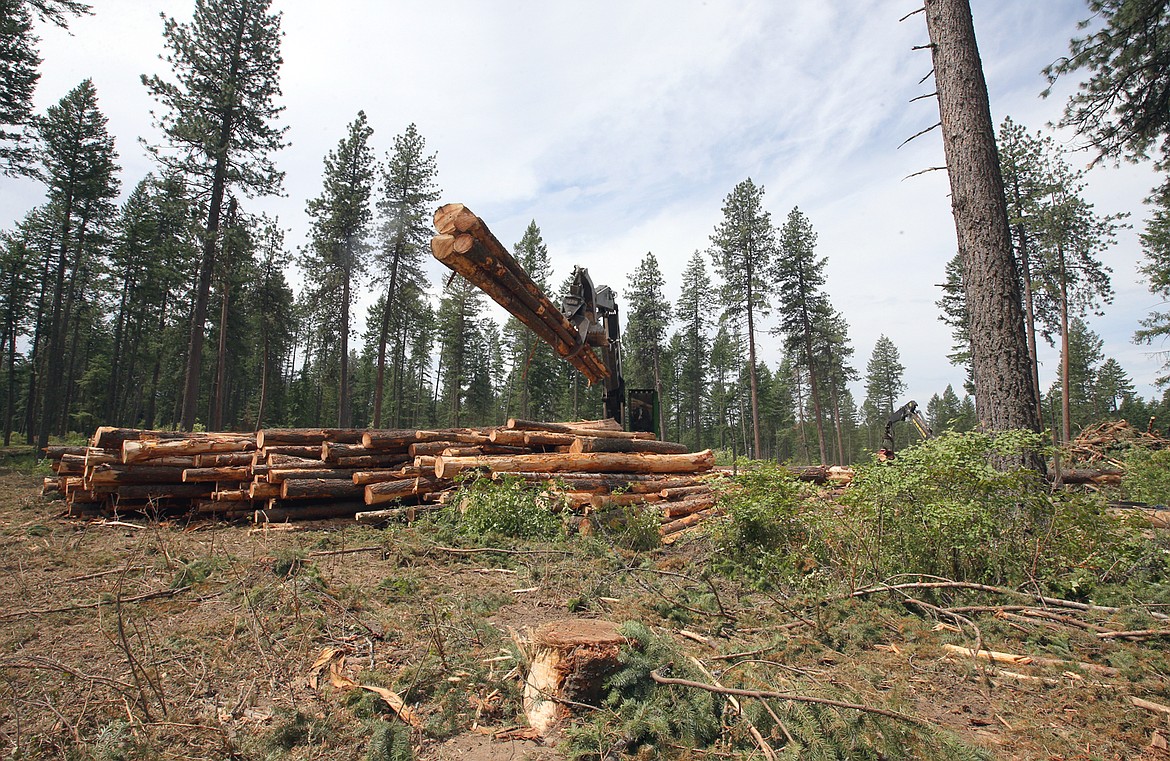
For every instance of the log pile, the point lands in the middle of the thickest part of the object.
(279, 475)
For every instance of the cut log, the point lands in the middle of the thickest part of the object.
(258, 490)
(95, 456)
(373, 461)
(227, 459)
(114, 474)
(406, 512)
(682, 492)
(596, 462)
(230, 473)
(279, 511)
(55, 452)
(276, 475)
(673, 527)
(365, 477)
(388, 439)
(155, 491)
(1104, 476)
(515, 424)
(569, 661)
(455, 436)
(320, 488)
(388, 491)
(601, 501)
(231, 495)
(150, 449)
(307, 436)
(479, 257)
(482, 449)
(685, 507)
(310, 451)
(593, 444)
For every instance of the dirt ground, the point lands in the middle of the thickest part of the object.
(149, 639)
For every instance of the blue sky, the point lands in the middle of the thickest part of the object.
(619, 127)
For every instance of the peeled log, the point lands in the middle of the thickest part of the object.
(150, 449)
(515, 424)
(595, 462)
(235, 473)
(569, 660)
(591, 444)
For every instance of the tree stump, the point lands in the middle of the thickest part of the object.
(568, 662)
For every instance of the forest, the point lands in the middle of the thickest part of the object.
(173, 308)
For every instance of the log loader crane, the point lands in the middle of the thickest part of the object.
(908, 411)
(587, 320)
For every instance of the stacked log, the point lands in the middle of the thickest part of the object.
(466, 245)
(289, 474)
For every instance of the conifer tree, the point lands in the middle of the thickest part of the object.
(19, 59)
(338, 249)
(693, 312)
(743, 247)
(647, 318)
(404, 207)
(534, 366)
(17, 272)
(458, 330)
(218, 119)
(78, 164)
(799, 277)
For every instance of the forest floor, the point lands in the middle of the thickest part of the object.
(146, 639)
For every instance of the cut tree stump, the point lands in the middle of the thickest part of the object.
(569, 660)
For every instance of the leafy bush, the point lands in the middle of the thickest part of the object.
(943, 508)
(771, 533)
(509, 508)
(633, 527)
(1147, 476)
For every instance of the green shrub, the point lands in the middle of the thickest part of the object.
(771, 533)
(509, 508)
(943, 508)
(1147, 476)
(633, 527)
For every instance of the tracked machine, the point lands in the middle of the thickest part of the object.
(588, 319)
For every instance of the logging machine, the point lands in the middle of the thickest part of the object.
(587, 319)
(908, 411)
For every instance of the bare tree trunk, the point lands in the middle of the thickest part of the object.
(1004, 397)
(1065, 403)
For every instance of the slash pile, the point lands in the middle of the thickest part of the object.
(311, 474)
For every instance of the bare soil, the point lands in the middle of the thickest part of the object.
(163, 639)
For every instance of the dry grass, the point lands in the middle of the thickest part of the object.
(195, 641)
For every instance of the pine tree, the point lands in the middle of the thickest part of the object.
(799, 277)
(999, 353)
(408, 191)
(1156, 269)
(338, 250)
(693, 311)
(272, 301)
(647, 318)
(19, 59)
(457, 323)
(219, 121)
(743, 247)
(883, 384)
(78, 164)
(534, 366)
(17, 272)
(1121, 107)
(1113, 389)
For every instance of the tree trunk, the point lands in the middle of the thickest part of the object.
(1065, 402)
(1004, 397)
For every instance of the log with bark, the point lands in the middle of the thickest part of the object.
(388, 491)
(515, 424)
(307, 436)
(228, 473)
(594, 444)
(320, 488)
(596, 462)
(389, 439)
(280, 511)
(142, 450)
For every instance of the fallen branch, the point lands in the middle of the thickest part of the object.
(1025, 660)
(98, 604)
(768, 694)
(500, 550)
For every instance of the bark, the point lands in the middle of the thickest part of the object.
(591, 444)
(1004, 397)
(320, 488)
(228, 473)
(388, 491)
(307, 436)
(598, 462)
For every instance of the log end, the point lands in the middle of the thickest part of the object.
(570, 660)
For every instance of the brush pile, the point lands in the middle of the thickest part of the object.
(278, 475)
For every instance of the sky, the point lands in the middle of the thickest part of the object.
(620, 127)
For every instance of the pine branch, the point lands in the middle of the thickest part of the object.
(768, 694)
(924, 171)
(920, 133)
